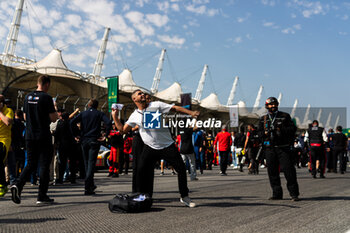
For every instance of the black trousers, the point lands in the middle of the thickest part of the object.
(330, 159)
(339, 153)
(137, 147)
(317, 153)
(281, 158)
(147, 161)
(67, 152)
(124, 162)
(210, 157)
(2, 164)
(90, 149)
(252, 156)
(223, 160)
(38, 151)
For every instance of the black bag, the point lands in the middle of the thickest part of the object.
(130, 203)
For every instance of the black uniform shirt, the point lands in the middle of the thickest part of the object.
(37, 106)
(186, 141)
(281, 121)
(339, 140)
(90, 123)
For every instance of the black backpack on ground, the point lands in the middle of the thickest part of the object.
(130, 203)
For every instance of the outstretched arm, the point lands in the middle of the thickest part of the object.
(123, 129)
(194, 114)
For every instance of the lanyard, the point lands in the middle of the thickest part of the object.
(272, 120)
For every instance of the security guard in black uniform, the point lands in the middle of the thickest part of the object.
(317, 138)
(277, 131)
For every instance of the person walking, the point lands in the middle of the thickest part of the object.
(222, 144)
(251, 145)
(187, 150)
(91, 138)
(115, 141)
(209, 147)
(6, 116)
(158, 143)
(340, 142)
(39, 112)
(317, 137)
(277, 132)
(66, 149)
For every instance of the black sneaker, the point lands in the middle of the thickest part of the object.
(295, 199)
(322, 176)
(16, 195)
(45, 201)
(115, 175)
(110, 174)
(275, 198)
(89, 192)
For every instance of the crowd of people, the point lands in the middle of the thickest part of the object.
(44, 142)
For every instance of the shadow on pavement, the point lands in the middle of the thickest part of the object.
(230, 204)
(26, 221)
(327, 198)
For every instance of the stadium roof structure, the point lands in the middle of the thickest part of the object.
(212, 102)
(172, 93)
(52, 64)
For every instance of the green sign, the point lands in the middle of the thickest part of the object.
(113, 90)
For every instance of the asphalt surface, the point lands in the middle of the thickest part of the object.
(234, 203)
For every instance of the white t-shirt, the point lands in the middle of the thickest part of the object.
(154, 138)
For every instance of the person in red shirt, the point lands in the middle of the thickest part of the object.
(124, 159)
(115, 140)
(222, 144)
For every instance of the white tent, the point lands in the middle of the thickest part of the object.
(126, 82)
(212, 102)
(52, 64)
(242, 110)
(172, 93)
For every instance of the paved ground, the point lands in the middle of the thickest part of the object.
(235, 203)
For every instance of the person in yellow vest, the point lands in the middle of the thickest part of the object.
(6, 116)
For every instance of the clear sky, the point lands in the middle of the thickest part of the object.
(297, 47)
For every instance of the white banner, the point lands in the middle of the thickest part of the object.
(233, 115)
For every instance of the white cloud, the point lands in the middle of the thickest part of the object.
(268, 24)
(157, 19)
(24, 39)
(269, 2)
(175, 41)
(200, 1)
(43, 43)
(345, 17)
(193, 23)
(212, 12)
(3, 32)
(291, 30)
(126, 7)
(249, 37)
(141, 3)
(238, 40)
(293, 16)
(197, 44)
(175, 7)
(163, 6)
(76, 59)
(73, 20)
(297, 26)
(242, 19)
(198, 10)
(343, 33)
(137, 19)
(310, 8)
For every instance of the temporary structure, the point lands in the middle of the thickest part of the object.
(172, 93)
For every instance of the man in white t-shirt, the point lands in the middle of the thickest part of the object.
(158, 142)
